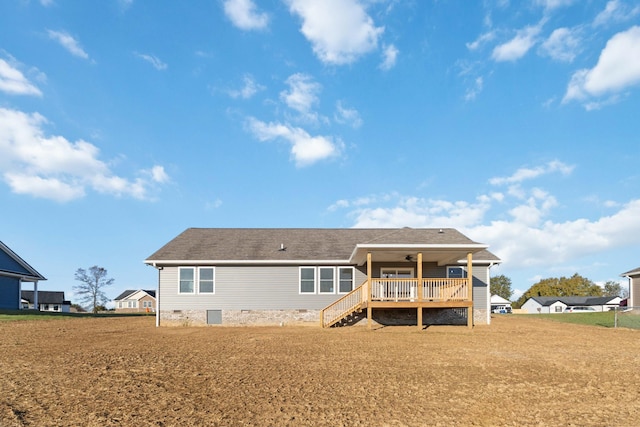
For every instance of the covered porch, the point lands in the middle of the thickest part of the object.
(416, 276)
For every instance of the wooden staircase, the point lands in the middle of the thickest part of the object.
(347, 308)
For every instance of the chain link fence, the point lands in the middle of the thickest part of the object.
(627, 317)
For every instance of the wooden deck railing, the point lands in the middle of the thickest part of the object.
(394, 290)
(407, 289)
(346, 305)
(445, 289)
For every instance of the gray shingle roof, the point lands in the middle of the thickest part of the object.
(259, 244)
(129, 292)
(547, 301)
(45, 297)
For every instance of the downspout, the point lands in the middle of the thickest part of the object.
(157, 295)
(491, 264)
(20, 294)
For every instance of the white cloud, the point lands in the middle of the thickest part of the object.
(518, 46)
(554, 4)
(618, 68)
(250, 87)
(244, 15)
(345, 115)
(302, 94)
(13, 82)
(305, 149)
(340, 31)
(390, 56)
(153, 60)
(46, 3)
(526, 237)
(68, 42)
(481, 40)
(475, 90)
(615, 11)
(54, 168)
(562, 44)
(524, 174)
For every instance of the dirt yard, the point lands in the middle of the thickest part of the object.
(125, 372)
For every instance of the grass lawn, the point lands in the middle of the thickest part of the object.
(15, 315)
(605, 319)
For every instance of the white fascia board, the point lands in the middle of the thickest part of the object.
(22, 276)
(160, 263)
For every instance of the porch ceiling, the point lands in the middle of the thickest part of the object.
(442, 254)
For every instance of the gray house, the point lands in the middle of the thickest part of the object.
(275, 276)
(634, 286)
(14, 271)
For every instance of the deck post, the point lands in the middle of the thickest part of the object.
(419, 290)
(470, 290)
(369, 290)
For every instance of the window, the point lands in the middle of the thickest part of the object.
(558, 309)
(345, 278)
(206, 280)
(187, 279)
(307, 280)
(56, 308)
(327, 280)
(456, 273)
(132, 304)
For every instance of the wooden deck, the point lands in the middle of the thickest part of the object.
(401, 293)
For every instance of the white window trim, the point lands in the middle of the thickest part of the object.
(333, 291)
(213, 280)
(353, 278)
(315, 280)
(196, 280)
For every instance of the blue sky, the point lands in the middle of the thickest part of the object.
(123, 122)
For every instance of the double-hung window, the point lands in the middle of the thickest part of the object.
(345, 279)
(307, 280)
(206, 280)
(327, 280)
(187, 280)
(199, 280)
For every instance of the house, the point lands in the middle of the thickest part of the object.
(548, 305)
(50, 301)
(500, 305)
(289, 275)
(14, 271)
(136, 301)
(634, 286)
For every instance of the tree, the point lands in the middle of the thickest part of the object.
(501, 285)
(90, 290)
(574, 286)
(614, 289)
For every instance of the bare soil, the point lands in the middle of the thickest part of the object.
(125, 372)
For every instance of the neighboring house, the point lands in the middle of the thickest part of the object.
(50, 301)
(500, 305)
(535, 305)
(634, 287)
(277, 276)
(136, 301)
(14, 271)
